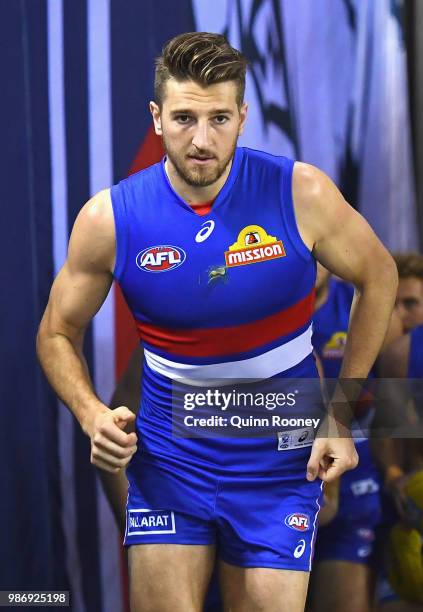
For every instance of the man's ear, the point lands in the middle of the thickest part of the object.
(155, 112)
(243, 116)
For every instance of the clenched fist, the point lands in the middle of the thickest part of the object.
(111, 447)
(332, 454)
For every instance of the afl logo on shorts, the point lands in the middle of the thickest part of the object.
(161, 258)
(297, 521)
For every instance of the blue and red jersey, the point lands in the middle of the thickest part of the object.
(226, 295)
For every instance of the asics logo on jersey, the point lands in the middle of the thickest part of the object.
(299, 549)
(252, 246)
(204, 233)
(298, 521)
(162, 258)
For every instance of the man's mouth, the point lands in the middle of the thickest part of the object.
(201, 159)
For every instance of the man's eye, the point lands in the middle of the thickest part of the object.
(220, 119)
(183, 118)
(410, 303)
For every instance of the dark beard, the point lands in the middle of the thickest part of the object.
(198, 178)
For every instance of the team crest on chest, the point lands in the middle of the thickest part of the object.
(252, 246)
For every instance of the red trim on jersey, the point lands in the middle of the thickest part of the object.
(222, 341)
(202, 209)
(126, 338)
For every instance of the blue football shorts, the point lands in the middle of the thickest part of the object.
(346, 541)
(254, 519)
(351, 536)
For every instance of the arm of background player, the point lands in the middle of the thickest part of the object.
(392, 400)
(127, 393)
(331, 502)
(77, 294)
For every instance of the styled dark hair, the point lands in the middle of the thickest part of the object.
(409, 264)
(203, 57)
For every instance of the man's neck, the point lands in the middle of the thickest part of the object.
(191, 194)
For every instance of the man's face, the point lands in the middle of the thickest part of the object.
(409, 303)
(200, 128)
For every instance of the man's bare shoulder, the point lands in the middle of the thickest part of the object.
(93, 243)
(98, 212)
(308, 180)
(317, 201)
(312, 187)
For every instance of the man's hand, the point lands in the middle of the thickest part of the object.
(332, 456)
(111, 447)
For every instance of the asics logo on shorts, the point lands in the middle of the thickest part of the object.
(299, 549)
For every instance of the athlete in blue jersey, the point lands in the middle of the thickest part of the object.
(344, 547)
(218, 297)
(403, 359)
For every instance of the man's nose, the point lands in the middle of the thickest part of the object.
(401, 311)
(201, 138)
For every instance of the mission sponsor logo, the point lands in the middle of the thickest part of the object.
(298, 521)
(144, 521)
(252, 246)
(162, 258)
(335, 347)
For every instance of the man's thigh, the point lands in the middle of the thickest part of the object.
(260, 589)
(169, 577)
(338, 583)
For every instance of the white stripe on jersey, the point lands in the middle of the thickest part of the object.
(257, 368)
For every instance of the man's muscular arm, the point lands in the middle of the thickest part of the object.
(77, 294)
(127, 393)
(341, 239)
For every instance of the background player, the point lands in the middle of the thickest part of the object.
(344, 549)
(400, 459)
(199, 112)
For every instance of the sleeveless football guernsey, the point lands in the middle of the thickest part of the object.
(228, 295)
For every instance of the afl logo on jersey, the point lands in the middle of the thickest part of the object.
(161, 258)
(298, 521)
(253, 245)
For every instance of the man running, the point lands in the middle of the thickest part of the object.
(214, 249)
